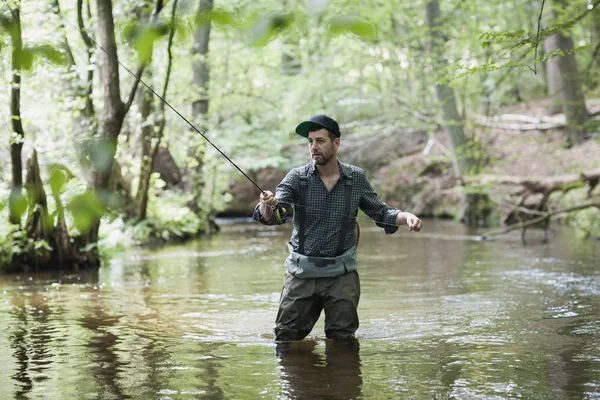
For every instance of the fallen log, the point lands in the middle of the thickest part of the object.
(537, 220)
(516, 122)
(521, 213)
(539, 185)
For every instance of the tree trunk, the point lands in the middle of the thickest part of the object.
(164, 164)
(112, 115)
(39, 223)
(88, 110)
(195, 178)
(18, 136)
(463, 162)
(474, 206)
(146, 105)
(564, 82)
(552, 78)
(153, 131)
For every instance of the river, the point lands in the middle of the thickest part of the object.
(442, 316)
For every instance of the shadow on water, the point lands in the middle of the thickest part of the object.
(308, 373)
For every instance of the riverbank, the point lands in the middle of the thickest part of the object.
(412, 170)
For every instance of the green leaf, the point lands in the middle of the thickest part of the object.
(86, 208)
(354, 25)
(42, 244)
(24, 60)
(7, 24)
(58, 179)
(102, 153)
(265, 28)
(89, 247)
(18, 203)
(216, 16)
(142, 37)
(48, 53)
(144, 44)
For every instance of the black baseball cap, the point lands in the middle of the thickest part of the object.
(318, 121)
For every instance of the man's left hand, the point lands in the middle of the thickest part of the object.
(413, 222)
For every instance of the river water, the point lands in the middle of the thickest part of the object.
(442, 316)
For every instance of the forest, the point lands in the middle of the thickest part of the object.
(482, 112)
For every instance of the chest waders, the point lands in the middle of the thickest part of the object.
(319, 267)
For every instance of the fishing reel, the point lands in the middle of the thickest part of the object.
(280, 214)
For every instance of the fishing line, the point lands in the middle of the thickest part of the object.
(115, 58)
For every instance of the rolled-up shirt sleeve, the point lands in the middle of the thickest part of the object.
(383, 215)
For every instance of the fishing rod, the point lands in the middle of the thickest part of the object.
(279, 211)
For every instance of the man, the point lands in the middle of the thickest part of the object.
(321, 268)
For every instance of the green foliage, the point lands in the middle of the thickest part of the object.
(58, 180)
(266, 27)
(87, 208)
(143, 37)
(355, 25)
(588, 222)
(170, 218)
(42, 52)
(18, 203)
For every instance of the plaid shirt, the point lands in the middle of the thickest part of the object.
(324, 209)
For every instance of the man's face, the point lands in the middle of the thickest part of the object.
(322, 149)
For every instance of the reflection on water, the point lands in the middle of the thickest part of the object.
(306, 373)
(442, 316)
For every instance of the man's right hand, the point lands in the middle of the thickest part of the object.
(267, 202)
(268, 198)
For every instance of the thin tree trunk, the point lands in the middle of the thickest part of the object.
(146, 105)
(152, 131)
(463, 162)
(39, 223)
(565, 82)
(475, 208)
(552, 77)
(200, 49)
(18, 136)
(88, 110)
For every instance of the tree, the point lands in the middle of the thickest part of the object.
(462, 148)
(18, 136)
(201, 78)
(152, 133)
(564, 80)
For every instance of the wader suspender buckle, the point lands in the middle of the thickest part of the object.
(302, 213)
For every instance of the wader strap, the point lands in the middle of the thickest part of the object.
(301, 209)
(347, 217)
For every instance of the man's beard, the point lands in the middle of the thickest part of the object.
(323, 158)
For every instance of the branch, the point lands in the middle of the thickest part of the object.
(547, 216)
(140, 70)
(586, 12)
(537, 39)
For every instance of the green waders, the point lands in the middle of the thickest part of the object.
(325, 284)
(303, 299)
